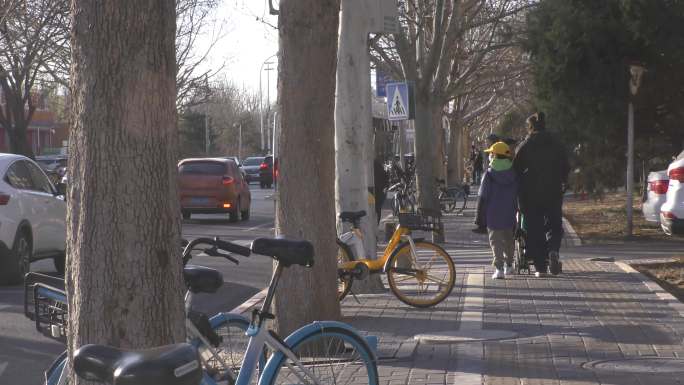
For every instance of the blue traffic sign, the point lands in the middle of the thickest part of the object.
(399, 103)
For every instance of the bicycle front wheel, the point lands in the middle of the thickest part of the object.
(330, 355)
(424, 279)
(227, 357)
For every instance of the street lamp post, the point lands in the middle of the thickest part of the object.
(239, 125)
(261, 109)
(636, 72)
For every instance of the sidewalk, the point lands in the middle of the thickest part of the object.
(597, 323)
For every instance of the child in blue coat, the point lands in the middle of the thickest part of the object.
(498, 197)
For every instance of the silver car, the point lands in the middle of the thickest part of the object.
(655, 194)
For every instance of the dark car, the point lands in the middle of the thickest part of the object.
(213, 185)
(251, 167)
(266, 172)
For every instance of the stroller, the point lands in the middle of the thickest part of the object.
(521, 262)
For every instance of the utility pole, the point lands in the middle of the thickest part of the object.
(206, 130)
(261, 107)
(268, 70)
(636, 72)
(354, 150)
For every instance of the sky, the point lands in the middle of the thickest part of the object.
(244, 44)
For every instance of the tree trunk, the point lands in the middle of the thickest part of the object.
(354, 150)
(18, 141)
(455, 162)
(306, 205)
(124, 279)
(425, 153)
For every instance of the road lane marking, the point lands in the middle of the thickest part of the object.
(3, 366)
(259, 226)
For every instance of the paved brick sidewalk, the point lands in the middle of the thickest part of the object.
(595, 311)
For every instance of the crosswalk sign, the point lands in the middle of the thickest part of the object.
(399, 101)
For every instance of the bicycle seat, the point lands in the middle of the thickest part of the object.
(287, 252)
(169, 365)
(200, 279)
(352, 216)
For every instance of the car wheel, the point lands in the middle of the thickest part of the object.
(17, 264)
(60, 263)
(233, 216)
(244, 215)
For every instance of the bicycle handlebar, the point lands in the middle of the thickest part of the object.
(216, 245)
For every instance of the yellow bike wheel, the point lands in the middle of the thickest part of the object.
(344, 284)
(423, 280)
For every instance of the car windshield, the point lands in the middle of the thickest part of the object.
(202, 168)
(252, 161)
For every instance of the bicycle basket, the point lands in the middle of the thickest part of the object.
(45, 303)
(419, 222)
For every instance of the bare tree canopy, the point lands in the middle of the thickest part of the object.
(445, 47)
(33, 36)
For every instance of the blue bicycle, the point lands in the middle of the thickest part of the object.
(319, 353)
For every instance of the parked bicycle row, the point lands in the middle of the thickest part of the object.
(229, 348)
(223, 349)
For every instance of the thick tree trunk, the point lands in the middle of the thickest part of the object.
(306, 205)
(425, 149)
(124, 279)
(354, 150)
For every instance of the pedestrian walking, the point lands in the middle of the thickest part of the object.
(498, 205)
(542, 167)
(480, 220)
(477, 167)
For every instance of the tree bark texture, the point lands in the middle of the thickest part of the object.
(426, 151)
(124, 280)
(455, 166)
(354, 148)
(306, 204)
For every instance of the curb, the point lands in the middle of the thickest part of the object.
(250, 303)
(570, 234)
(653, 287)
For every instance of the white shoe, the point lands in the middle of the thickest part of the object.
(498, 274)
(509, 270)
(539, 274)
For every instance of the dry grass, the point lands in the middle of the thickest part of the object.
(597, 221)
(605, 220)
(669, 275)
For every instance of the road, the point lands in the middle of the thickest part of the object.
(25, 354)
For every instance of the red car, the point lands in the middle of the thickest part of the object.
(213, 185)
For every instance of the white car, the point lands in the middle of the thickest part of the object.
(654, 196)
(672, 211)
(32, 218)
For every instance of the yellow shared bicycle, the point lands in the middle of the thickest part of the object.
(420, 273)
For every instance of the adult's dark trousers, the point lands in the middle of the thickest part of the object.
(544, 225)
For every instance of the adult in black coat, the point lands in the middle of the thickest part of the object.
(541, 163)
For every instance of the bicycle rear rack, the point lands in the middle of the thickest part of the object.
(45, 303)
(422, 221)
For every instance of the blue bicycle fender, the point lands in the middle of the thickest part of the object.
(220, 317)
(305, 331)
(55, 371)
